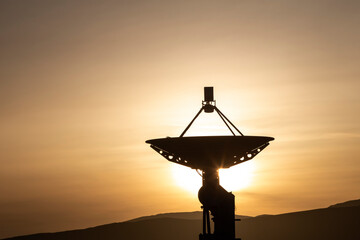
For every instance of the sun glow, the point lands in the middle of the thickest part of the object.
(186, 178)
(232, 179)
(237, 177)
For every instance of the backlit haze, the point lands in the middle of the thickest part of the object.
(83, 84)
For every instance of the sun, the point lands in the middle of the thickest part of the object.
(232, 179)
(238, 177)
(186, 178)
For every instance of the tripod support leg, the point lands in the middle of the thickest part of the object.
(182, 134)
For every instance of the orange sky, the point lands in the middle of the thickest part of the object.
(84, 84)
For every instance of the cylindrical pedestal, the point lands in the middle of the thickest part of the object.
(221, 205)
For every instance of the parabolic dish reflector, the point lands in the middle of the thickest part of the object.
(210, 151)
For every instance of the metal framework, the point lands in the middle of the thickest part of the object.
(210, 106)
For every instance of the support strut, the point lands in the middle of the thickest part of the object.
(222, 116)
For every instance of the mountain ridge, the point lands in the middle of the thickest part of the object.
(351, 203)
(195, 215)
(340, 222)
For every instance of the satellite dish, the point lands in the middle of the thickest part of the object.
(209, 154)
(211, 151)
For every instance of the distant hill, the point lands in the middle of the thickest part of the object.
(341, 223)
(334, 223)
(196, 215)
(162, 228)
(352, 203)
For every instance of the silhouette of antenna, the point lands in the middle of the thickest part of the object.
(208, 154)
